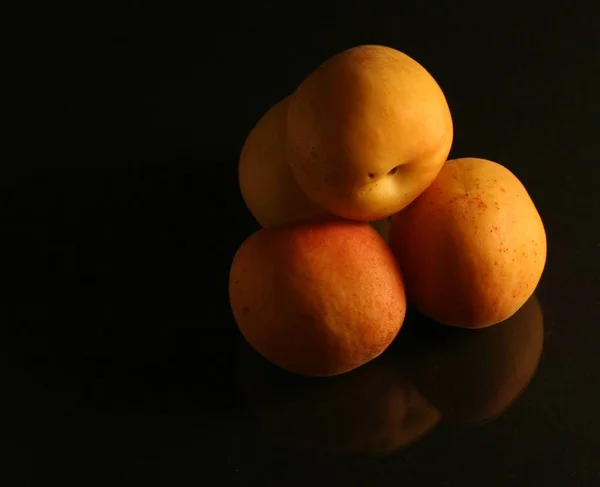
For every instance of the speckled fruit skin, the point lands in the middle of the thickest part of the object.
(317, 298)
(472, 247)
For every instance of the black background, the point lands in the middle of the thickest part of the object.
(120, 214)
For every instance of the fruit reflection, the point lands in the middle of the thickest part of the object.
(469, 375)
(373, 409)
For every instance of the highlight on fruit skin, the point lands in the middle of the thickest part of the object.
(472, 247)
(367, 132)
(318, 297)
(266, 182)
(474, 376)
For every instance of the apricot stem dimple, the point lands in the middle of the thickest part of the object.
(393, 171)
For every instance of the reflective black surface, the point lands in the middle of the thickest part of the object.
(120, 362)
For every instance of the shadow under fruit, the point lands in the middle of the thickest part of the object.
(473, 375)
(373, 409)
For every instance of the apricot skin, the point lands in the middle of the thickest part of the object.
(472, 246)
(267, 184)
(367, 132)
(317, 298)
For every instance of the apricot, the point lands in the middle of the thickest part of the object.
(475, 375)
(317, 297)
(267, 184)
(367, 132)
(373, 409)
(472, 247)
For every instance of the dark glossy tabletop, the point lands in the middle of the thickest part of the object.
(120, 359)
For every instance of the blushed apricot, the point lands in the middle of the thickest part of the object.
(472, 247)
(317, 298)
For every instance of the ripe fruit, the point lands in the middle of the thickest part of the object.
(472, 246)
(373, 409)
(474, 376)
(317, 298)
(266, 181)
(367, 132)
